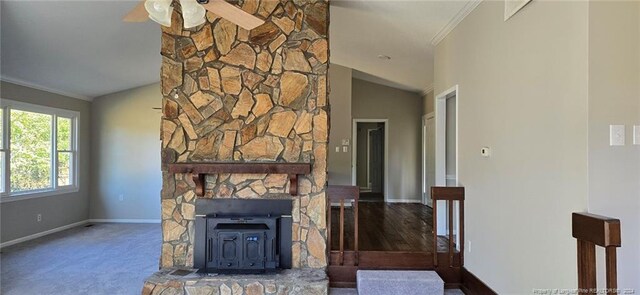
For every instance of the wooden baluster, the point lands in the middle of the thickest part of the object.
(461, 229)
(612, 275)
(341, 231)
(329, 225)
(586, 266)
(435, 230)
(355, 230)
(450, 233)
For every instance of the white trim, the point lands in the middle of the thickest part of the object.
(403, 201)
(44, 88)
(354, 151)
(441, 148)
(441, 144)
(426, 200)
(426, 90)
(515, 9)
(423, 177)
(30, 107)
(55, 113)
(430, 115)
(44, 233)
(125, 220)
(453, 23)
(36, 194)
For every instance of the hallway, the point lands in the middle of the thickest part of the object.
(388, 227)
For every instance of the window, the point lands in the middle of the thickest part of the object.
(38, 150)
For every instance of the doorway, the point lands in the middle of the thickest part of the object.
(428, 157)
(369, 154)
(446, 152)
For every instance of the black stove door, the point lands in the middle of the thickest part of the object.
(253, 252)
(229, 250)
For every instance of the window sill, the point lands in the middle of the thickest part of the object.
(34, 195)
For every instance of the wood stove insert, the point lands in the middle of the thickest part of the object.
(242, 236)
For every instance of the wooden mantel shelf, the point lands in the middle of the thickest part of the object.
(199, 170)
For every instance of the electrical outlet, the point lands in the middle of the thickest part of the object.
(121, 197)
(39, 217)
(345, 148)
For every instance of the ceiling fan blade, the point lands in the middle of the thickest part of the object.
(137, 14)
(233, 14)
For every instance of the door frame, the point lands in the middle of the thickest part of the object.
(441, 134)
(441, 152)
(354, 151)
(426, 194)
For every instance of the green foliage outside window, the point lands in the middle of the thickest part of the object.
(64, 146)
(31, 151)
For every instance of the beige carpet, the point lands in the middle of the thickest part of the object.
(101, 259)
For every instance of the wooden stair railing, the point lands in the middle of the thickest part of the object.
(591, 230)
(341, 194)
(451, 195)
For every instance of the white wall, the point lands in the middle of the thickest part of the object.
(522, 92)
(404, 110)
(428, 103)
(614, 98)
(339, 163)
(18, 218)
(450, 136)
(126, 155)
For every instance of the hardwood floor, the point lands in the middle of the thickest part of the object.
(371, 197)
(388, 227)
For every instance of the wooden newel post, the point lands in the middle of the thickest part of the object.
(451, 195)
(591, 230)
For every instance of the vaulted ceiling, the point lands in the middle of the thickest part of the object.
(82, 49)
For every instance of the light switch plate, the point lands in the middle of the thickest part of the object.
(345, 148)
(337, 149)
(636, 134)
(616, 135)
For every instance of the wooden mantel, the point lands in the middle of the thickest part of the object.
(199, 170)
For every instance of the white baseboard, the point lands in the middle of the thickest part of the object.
(44, 233)
(403, 201)
(124, 220)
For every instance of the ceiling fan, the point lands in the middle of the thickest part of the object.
(193, 13)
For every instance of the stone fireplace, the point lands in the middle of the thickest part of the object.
(232, 96)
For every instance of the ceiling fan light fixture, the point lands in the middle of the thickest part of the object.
(159, 11)
(193, 13)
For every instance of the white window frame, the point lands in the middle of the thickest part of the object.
(7, 196)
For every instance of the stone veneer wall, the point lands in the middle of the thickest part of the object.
(234, 95)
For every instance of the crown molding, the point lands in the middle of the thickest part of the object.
(466, 10)
(426, 91)
(44, 88)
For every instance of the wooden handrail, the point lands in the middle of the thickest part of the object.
(591, 230)
(340, 193)
(451, 195)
